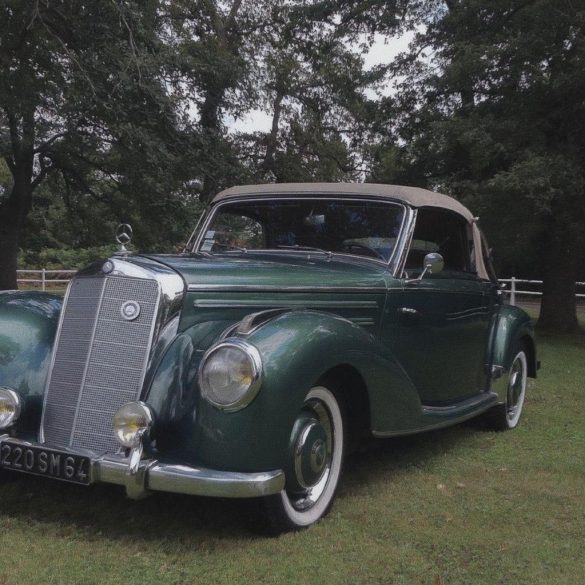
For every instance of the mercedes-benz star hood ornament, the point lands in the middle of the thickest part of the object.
(123, 236)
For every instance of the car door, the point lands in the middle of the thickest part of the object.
(438, 325)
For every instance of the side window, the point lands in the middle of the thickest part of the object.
(447, 233)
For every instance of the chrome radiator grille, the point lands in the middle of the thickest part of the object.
(99, 361)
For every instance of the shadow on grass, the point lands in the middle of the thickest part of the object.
(402, 455)
(103, 512)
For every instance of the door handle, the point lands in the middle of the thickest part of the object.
(408, 311)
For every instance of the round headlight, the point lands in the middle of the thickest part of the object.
(230, 375)
(10, 407)
(131, 422)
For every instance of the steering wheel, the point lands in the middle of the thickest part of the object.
(350, 246)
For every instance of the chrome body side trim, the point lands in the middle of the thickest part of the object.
(154, 475)
(461, 407)
(285, 304)
(289, 289)
(254, 321)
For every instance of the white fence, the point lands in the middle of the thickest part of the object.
(512, 291)
(43, 277)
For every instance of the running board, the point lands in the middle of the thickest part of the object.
(474, 404)
(438, 417)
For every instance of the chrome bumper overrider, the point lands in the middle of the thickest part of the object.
(149, 475)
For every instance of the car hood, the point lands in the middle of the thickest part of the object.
(275, 270)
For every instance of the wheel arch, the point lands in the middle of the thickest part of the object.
(528, 342)
(347, 379)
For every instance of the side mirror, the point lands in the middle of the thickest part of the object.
(433, 264)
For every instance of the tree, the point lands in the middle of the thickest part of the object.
(214, 48)
(82, 99)
(492, 110)
(314, 82)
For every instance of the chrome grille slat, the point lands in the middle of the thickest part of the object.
(100, 360)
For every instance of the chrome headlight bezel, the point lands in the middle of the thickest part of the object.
(13, 399)
(246, 395)
(133, 412)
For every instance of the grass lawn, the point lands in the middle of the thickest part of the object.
(454, 506)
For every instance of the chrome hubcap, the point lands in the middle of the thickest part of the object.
(312, 455)
(318, 456)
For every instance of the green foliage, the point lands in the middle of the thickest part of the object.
(58, 258)
(88, 126)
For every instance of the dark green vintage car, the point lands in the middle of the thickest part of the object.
(298, 319)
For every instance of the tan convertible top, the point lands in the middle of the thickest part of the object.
(414, 196)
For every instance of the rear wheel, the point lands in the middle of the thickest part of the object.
(507, 416)
(314, 469)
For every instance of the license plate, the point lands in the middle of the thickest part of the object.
(45, 462)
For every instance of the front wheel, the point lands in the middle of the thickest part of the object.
(315, 464)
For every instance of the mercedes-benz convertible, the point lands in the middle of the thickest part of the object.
(299, 319)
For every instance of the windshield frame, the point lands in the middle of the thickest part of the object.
(203, 224)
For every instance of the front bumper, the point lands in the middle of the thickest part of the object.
(148, 475)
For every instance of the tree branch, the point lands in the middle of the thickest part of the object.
(44, 146)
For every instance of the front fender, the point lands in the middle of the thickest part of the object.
(298, 348)
(28, 324)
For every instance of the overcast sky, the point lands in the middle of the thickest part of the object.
(383, 50)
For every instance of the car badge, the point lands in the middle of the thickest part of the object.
(124, 236)
(130, 310)
(107, 267)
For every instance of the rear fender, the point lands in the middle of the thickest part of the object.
(513, 327)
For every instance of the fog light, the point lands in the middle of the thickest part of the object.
(131, 423)
(10, 407)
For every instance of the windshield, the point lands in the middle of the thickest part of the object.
(363, 228)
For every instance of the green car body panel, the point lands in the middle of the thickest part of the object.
(416, 353)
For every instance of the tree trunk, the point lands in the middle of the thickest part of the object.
(13, 213)
(210, 123)
(558, 310)
(8, 249)
(272, 140)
